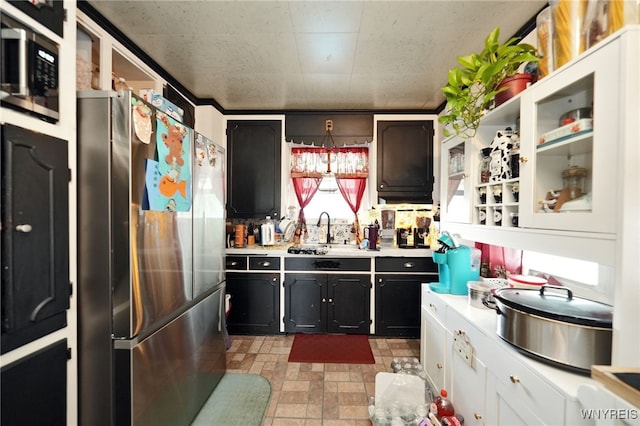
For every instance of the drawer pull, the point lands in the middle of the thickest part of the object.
(233, 263)
(439, 365)
(26, 228)
(264, 263)
(409, 264)
(477, 416)
(514, 379)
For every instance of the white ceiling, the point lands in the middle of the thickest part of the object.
(314, 55)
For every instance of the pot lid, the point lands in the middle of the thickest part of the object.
(557, 303)
(479, 286)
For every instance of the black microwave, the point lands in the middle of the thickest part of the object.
(29, 71)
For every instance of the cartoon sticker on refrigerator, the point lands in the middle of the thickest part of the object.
(205, 151)
(200, 150)
(168, 180)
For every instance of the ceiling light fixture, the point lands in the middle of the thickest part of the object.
(328, 127)
(328, 183)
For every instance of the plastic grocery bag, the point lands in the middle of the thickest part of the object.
(402, 389)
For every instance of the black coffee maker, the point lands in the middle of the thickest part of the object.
(404, 237)
(420, 237)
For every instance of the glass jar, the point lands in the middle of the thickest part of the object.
(545, 42)
(485, 163)
(514, 218)
(573, 181)
(621, 13)
(568, 37)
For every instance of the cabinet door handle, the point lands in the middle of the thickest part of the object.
(324, 300)
(409, 264)
(523, 159)
(477, 416)
(381, 186)
(514, 379)
(26, 228)
(330, 300)
(439, 365)
(274, 279)
(264, 263)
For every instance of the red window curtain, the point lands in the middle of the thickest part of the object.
(350, 167)
(352, 190)
(305, 188)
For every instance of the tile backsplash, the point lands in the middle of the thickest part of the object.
(388, 216)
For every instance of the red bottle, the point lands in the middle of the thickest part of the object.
(445, 407)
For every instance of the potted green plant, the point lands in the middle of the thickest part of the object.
(471, 88)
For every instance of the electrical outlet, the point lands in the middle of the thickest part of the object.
(462, 346)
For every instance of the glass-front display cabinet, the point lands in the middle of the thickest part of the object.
(570, 127)
(456, 189)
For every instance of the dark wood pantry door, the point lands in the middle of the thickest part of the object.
(35, 235)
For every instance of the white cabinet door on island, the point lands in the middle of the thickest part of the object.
(490, 381)
(434, 340)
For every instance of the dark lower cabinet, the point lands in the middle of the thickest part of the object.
(34, 388)
(398, 304)
(255, 303)
(327, 303)
(398, 291)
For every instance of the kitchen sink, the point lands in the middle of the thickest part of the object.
(308, 249)
(322, 249)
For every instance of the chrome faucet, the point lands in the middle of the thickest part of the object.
(328, 226)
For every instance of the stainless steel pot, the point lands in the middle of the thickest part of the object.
(479, 295)
(569, 331)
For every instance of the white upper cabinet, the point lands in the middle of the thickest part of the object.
(575, 178)
(570, 176)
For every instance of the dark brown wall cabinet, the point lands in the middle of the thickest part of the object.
(253, 172)
(405, 161)
(35, 235)
(348, 128)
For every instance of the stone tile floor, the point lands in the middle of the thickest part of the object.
(314, 394)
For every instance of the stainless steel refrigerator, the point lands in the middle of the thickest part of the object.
(150, 255)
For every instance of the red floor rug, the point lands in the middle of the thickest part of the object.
(331, 348)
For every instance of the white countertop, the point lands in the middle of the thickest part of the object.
(335, 250)
(485, 320)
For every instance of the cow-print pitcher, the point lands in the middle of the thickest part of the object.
(501, 146)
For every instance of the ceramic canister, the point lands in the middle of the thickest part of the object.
(240, 234)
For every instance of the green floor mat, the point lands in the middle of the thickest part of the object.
(239, 399)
